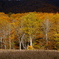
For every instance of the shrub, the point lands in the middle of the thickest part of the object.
(29, 47)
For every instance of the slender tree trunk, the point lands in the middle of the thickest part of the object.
(1, 42)
(13, 44)
(5, 44)
(22, 40)
(46, 38)
(23, 45)
(31, 41)
(47, 30)
(9, 43)
(20, 44)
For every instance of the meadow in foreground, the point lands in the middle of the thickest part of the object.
(29, 54)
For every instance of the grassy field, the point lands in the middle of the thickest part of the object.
(37, 54)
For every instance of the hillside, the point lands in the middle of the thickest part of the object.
(53, 2)
(27, 6)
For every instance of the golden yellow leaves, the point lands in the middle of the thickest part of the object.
(11, 37)
(29, 47)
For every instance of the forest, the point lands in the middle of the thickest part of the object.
(31, 30)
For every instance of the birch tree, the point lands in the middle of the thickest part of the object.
(4, 30)
(30, 26)
(19, 32)
(46, 28)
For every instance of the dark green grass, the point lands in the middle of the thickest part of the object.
(37, 54)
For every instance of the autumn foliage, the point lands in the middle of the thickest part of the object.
(36, 29)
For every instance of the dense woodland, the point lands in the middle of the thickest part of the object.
(32, 30)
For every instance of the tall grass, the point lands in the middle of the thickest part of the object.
(37, 54)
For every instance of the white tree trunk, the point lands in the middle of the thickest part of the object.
(19, 44)
(5, 46)
(22, 40)
(30, 41)
(46, 38)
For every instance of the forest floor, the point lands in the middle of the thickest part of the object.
(29, 54)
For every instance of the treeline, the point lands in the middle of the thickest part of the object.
(32, 30)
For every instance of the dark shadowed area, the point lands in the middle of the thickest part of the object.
(16, 6)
